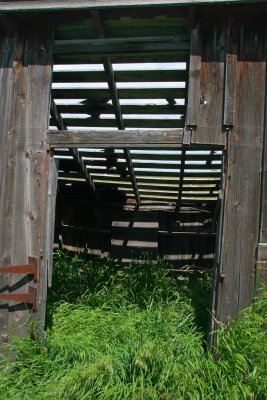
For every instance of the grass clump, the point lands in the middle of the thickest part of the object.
(134, 336)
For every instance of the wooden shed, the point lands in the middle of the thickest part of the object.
(145, 122)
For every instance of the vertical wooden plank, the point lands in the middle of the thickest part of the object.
(51, 213)
(206, 82)
(27, 166)
(6, 168)
(243, 179)
(194, 78)
(230, 74)
(261, 278)
(209, 129)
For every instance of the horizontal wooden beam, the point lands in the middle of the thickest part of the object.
(92, 155)
(179, 56)
(121, 76)
(187, 233)
(130, 93)
(111, 46)
(116, 138)
(97, 110)
(149, 165)
(129, 123)
(50, 5)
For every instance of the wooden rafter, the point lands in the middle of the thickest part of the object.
(116, 103)
(73, 151)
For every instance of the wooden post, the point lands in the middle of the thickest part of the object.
(226, 105)
(25, 80)
(240, 221)
(261, 266)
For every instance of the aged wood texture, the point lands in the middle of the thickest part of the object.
(206, 82)
(211, 85)
(48, 5)
(51, 211)
(262, 245)
(6, 89)
(194, 78)
(263, 228)
(230, 74)
(116, 138)
(25, 168)
(240, 225)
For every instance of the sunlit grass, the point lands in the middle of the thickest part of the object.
(135, 334)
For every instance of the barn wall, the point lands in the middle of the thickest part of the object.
(226, 104)
(25, 81)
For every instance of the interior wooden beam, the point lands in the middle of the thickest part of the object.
(50, 5)
(130, 93)
(97, 109)
(73, 151)
(96, 122)
(161, 75)
(111, 46)
(180, 56)
(134, 138)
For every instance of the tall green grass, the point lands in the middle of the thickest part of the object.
(134, 335)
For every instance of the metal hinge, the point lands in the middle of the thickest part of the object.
(27, 269)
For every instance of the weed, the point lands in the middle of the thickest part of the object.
(134, 335)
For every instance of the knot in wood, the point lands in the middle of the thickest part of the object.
(222, 276)
(31, 217)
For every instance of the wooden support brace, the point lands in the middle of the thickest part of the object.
(74, 152)
(27, 269)
(26, 298)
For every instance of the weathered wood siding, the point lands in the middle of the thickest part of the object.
(206, 82)
(6, 90)
(226, 105)
(245, 86)
(25, 78)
